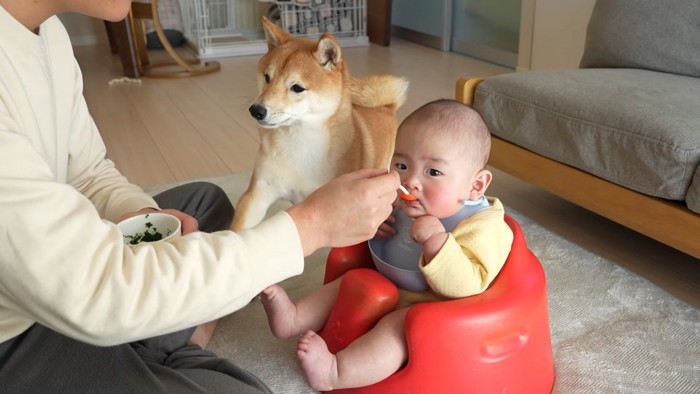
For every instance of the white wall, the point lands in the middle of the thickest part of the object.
(552, 33)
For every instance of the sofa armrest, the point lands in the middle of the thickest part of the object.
(466, 88)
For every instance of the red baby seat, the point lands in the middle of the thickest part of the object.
(494, 342)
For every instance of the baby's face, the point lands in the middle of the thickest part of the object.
(433, 170)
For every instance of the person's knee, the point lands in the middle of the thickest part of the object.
(218, 195)
(219, 211)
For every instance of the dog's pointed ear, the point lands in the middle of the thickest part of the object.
(328, 52)
(274, 34)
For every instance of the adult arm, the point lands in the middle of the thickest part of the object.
(68, 269)
(63, 262)
(90, 172)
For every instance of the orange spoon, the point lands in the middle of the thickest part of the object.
(405, 194)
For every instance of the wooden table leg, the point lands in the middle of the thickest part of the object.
(379, 21)
(121, 35)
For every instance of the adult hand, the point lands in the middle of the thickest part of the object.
(346, 210)
(188, 223)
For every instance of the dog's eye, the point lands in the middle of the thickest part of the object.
(267, 78)
(297, 88)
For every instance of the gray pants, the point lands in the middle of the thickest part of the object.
(43, 361)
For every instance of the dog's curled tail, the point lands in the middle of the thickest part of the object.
(379, 90)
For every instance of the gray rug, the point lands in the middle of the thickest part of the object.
(612, 330)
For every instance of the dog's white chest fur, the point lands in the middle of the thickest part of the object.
(297, 159)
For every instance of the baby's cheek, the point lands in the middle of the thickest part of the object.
(439, 204)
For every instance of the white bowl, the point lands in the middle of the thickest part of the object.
(149, 227)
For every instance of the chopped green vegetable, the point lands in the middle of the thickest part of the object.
(149, 235)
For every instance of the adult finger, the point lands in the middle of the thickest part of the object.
(188, 223)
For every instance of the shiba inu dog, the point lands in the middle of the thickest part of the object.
(315, 121)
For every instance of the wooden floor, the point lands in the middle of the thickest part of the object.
(167, 130)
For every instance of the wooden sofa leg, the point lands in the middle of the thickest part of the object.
(466, 88)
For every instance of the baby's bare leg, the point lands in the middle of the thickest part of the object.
(369, 359)
(288, 319)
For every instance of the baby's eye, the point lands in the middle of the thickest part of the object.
(297, 88)
(267, 78)
(433, 172)
(400, 166)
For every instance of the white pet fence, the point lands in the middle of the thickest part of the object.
(217, 28)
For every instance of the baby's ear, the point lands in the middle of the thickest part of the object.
(481, 182)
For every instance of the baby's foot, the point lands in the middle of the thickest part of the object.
(280, 311)
(320, 365)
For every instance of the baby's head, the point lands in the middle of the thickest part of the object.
(441, 153)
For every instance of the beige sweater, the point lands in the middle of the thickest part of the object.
(62, 260)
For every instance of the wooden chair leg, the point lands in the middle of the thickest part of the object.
(178, 67)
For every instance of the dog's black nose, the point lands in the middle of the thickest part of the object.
(258, 111)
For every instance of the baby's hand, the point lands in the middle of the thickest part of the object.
(386, 230)
(424, 227)
(429, 232)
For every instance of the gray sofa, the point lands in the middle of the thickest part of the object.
(620, 135)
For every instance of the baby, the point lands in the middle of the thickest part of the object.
(441, 153)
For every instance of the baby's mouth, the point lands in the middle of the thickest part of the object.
(413, 203)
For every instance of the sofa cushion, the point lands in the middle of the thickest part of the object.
(636, 128)
(644, 34)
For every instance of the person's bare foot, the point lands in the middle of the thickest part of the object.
(280, 311)
(320, 365)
